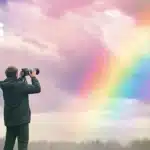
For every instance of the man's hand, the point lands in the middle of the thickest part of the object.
(33, 74)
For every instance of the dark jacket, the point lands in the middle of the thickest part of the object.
(16, 100)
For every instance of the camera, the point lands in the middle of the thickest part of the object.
(27, 71)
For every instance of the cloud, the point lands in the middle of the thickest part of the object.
(68, 43)
(57, 8)
(131, 7)
(65, 126)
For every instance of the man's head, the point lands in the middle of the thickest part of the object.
(11, 72)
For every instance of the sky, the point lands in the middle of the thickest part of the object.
(62, 39)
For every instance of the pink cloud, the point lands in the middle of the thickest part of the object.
(57, 8)
(70, 43)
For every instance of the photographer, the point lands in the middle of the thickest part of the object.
(17, 114)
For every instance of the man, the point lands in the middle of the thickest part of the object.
(17, 114)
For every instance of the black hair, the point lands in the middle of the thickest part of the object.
(11, 71)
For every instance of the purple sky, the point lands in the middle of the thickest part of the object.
(62, 39)
(63, 46)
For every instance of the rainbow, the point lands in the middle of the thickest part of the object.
(112, 80)
(123, 77)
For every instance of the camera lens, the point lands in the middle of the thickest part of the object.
(37, 71)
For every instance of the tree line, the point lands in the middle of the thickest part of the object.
(143, 144)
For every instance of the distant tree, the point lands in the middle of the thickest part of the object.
(143, 144)
(113, 145)
(140, 144)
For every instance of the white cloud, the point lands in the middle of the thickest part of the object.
(110, 26)
(62, 126)
(99, 24)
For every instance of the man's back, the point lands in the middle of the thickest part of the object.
(16, 102)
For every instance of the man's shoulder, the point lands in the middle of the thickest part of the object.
(19, 83)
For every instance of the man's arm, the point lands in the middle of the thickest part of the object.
(22, 79)
(31, 88)
(1, 84)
